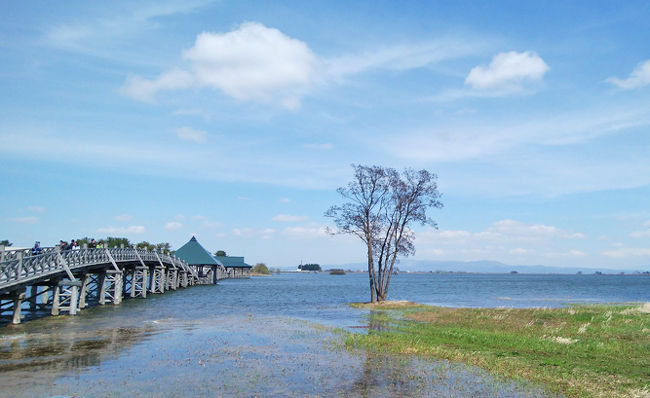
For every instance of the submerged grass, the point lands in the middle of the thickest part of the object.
(579, 351)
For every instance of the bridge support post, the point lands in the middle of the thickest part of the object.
(139, 282)
(16, 298)
(182, 279)
(66, 297)
(127, 281)
(33, 296)
(55, 301)
(118, 279)
(171, 279)
(83, 291)
(45, 294)
(158, 280)
(102, 288)
(110, 287)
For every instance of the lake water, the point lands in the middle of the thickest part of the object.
(271, 336)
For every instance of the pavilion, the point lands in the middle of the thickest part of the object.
(235, 266)
(207, 265)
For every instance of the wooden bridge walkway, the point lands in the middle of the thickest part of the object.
(58, 282)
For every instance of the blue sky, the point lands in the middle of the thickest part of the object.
(237, 121)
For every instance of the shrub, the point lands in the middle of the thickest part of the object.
(260, 268)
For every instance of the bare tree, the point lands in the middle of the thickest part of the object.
(380, 206)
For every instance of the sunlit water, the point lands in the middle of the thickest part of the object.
(272, 336)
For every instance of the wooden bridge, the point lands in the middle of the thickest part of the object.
(56, 282)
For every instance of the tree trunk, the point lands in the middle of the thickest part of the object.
(381, 294)
(371, 274)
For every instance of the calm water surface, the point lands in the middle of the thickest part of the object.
(273, 336)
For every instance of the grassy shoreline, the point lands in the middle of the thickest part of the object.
(578, 351)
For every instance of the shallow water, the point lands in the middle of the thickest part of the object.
(272, 336)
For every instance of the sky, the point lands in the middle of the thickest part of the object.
(236, 122)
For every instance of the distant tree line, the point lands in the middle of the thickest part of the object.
(115, 242)
(309, 267)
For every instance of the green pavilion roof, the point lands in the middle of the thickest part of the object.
(234, 262)
(195, 254)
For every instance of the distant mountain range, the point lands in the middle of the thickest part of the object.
(487, 267)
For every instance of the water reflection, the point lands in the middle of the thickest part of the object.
(71, 351)
(390, 376)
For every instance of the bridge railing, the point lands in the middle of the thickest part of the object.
(7, 254)
(19, 265)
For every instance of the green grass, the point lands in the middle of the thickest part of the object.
(579, 351)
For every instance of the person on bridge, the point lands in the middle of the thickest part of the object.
(37, 249)
(92, 244)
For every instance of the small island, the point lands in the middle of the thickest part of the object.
(309, 267)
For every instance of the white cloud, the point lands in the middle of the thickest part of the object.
(123, 217)
(104, 36)
(257, 63)
(173, 225)
(261, 233)
(36, 209)
(26, 220)
(508, 71)
(435, 252)
(133, 229)
(639, 77)
(531, 231)
(250, 63)
(571, 253)
(310, 231)
(500, 241)
(625, 252)
(205, 222)
(145, 90)
(402, 56)
(189, 134)
(211, 224)
(289, 218)
(640, 234)
(511, 230)
(453, 235)
(460, 142)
